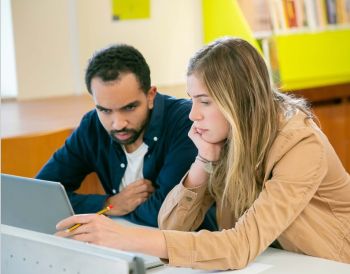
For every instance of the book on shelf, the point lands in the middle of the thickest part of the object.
(300, 13)
(311, 13)
(321, 12)
(257, 14)
(331, 8)
(295, 14)
(290, 13)
(279, 20)
(343, 11)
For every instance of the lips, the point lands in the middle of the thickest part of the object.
(123, 135)
(200, 130)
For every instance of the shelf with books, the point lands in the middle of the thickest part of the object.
(310, 14)
(305, 42)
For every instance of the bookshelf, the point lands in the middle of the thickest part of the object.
(306, 44)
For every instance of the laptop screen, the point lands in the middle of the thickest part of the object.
(33, 204)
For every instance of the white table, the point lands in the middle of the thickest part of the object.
(273, 261)
(31, 252)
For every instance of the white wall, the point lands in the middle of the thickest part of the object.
(43, 49)
(8, 63)
(54, 39)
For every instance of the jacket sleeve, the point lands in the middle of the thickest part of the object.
(184, 209)
(178, 158)
(295, 179)
(70, 165)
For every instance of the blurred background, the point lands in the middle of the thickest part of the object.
(46, 44)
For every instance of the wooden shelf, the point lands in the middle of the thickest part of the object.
(318, 95)
(331, 105)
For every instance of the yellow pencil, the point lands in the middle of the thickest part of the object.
(98, 213)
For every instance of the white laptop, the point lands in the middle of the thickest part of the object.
(38, 205)
(33, 204)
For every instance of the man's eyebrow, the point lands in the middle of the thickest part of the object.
(102, 108)
(134, 103)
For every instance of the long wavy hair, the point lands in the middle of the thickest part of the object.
(237, 79)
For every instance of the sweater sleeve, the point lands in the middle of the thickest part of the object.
(184, 209)
(295, 179)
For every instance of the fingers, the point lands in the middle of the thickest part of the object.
(82, 233)
(192, 132)
(130, 197)
(196, 137)
(75, 219)
(142, 185)
(83, 237)
(143, 195)
(148, 187)
(140, 200)
(101, 231)
(86, 222)
(208, 150)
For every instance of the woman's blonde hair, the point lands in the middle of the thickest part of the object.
(237, 79)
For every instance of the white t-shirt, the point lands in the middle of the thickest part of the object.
(134, 167)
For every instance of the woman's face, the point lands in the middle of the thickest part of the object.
(207, 119)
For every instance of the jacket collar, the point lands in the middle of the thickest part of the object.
(155, 125)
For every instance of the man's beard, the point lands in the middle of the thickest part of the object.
(135, 134)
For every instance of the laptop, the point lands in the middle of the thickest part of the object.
(33, 204)
(38, 205)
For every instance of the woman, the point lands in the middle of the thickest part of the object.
(261, 158)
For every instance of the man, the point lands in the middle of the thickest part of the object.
(136, 140)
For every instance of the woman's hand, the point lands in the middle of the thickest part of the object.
(95, 229)
(101, 230)
(209, 151)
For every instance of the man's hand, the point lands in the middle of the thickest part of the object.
(130, 197)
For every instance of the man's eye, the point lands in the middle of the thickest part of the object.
(106, 111)
(129, 108)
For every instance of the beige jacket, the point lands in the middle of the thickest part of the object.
(304, 204)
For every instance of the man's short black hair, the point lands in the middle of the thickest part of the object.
(110, 62)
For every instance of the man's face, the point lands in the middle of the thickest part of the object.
(123, 108)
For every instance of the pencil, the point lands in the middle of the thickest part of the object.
(98, 213)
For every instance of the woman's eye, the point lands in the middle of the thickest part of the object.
(205, 102)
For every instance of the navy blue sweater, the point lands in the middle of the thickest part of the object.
(91, 149)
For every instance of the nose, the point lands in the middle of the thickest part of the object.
(119, 121)
(195, 114)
